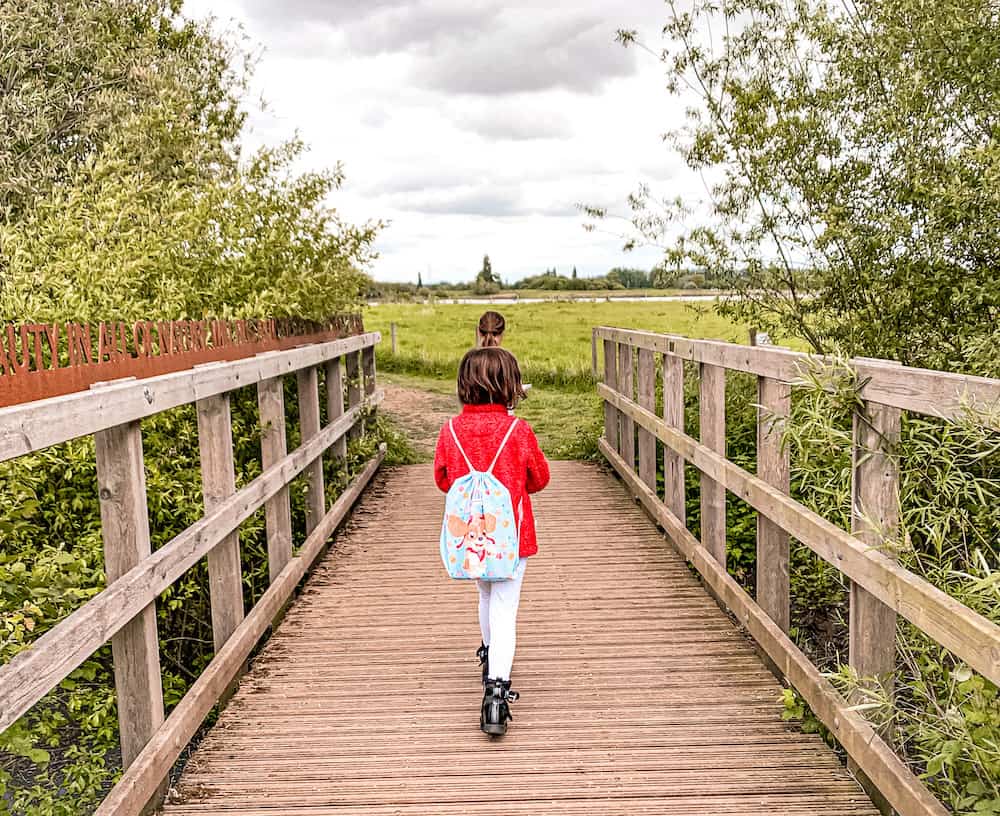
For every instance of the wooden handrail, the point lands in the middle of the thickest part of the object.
(880, 587)
(36, 425)
(140, 780)
(959, 629)
(924, 391)
(124, 612)
(31, 674)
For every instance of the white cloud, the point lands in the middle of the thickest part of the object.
(473, 126)
(425, 28)
(530, 52)
(515, 119)
(303, 13)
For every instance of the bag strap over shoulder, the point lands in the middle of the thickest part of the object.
(461, 450)
(458, 444)
(503, 444)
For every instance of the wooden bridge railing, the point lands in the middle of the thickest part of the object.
(124, 612)
(880, 588)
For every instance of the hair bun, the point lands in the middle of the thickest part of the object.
(491, 326)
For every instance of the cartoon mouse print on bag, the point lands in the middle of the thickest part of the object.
(475, 540)
(479, 535)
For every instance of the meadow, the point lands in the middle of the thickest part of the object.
(551, 340)
(552, 344)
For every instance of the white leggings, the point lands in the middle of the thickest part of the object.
(498, 601)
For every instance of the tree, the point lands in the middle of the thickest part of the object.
(854, 152)
(851, 152)
(574, 273)
(93, 66)
(486, 282)
(486, 273)
(420, 281)
(552, 281)
(124, 195)
(135, 204)
(630, 278)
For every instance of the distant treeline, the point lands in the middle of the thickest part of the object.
(619, 278)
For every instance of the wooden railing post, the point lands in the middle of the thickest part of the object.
(353, 388)
(773, 594)
(593, 354)
(673, 415)
(335, 402)
(611, 381)
(308, 383)
(368, 376)
(875, 520)
(712, 431)
(218, 482)
(626, 386)
(392, 335)
(273, 448)
(135, 650)
(647, 399)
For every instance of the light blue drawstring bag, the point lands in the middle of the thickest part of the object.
(480, 536)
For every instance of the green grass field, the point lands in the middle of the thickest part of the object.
(551, 340)
(552, 344)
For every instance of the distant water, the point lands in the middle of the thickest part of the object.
(512, 301)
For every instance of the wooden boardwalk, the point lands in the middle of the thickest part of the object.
(639, 696)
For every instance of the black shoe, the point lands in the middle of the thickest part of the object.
(496, 712)
(483, 653)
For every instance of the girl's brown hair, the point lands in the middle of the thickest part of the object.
(488, 376)
(491, 327)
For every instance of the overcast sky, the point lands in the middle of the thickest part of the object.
(474, 126)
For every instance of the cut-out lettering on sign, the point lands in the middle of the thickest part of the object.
(40, 360)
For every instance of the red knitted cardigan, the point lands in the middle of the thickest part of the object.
(521, 467)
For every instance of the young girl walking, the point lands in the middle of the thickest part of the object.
(490, 330)
(489, 383)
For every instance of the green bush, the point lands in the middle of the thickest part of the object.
(945, 719)
(125, 195)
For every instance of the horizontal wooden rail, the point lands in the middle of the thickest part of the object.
(923, 391)
(37, 425)
(31, 674)
(876, 759)
(140, 781)
(961, 630)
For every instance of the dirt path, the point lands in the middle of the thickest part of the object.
(419, 414)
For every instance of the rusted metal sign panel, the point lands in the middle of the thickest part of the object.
(40, 360)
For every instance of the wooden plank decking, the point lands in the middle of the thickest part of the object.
(638, 694)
